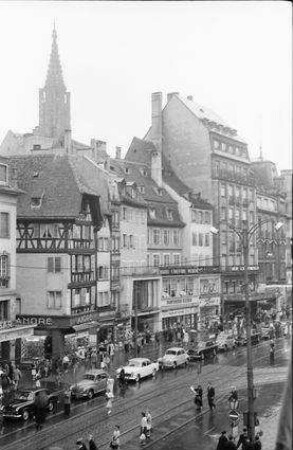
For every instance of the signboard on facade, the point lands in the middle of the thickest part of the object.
(179, 312)
(57, 321)
(188, 270)
(16, 333)
(242, 268)
(212, 301)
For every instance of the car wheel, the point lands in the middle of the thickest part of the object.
(215, 352)
(25, 414)
(90, 394)
(137, 378)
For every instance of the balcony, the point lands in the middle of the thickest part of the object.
(81, 244)
(82, 279)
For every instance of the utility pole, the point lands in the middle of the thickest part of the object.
(135, 321)
(250, 386)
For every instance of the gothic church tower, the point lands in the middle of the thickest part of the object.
(54, 100)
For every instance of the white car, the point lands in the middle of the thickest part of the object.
(174, 357)
(226, 342)
(138, 368)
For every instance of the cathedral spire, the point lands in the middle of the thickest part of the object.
(54, 100)
(54, 74)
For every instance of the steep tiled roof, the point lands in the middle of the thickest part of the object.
(140, 151)
(157, 199)
(60, 181)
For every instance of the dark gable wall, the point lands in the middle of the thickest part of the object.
(186, 144)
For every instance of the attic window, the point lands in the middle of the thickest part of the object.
(152, 213)
(169, 214)
(141, 189)
(36, 147)
(35, 174)
(127, 170)
(36, 202)
(3, 173)
(160, 192)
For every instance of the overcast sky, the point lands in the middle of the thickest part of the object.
(234, 57)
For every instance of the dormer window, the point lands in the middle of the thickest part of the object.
(144, 172)
(36, 174)
(127, 170)
(152, 213)
(3, 173)
(160, 191)
(141, 189)
(36, 202)
(169, 214)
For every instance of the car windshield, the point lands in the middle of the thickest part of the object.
(134, 363)
(24, 396)
(89, 376)
(171, 352)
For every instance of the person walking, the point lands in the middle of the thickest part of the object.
(233, 398)
(115, 440)
(40, 410)
(243, 440)
(67, 402)
(109, 397)
(257, 443)
(149, 423)
(222, 441)
(81, 445)
(211, 396)
(17, 377)
(92, 444)
(111, 351)
(230, 445)
(110, 385)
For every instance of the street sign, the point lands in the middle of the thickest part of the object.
(233, 415)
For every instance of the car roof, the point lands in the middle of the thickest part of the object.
(95, 372)
(175, 348)
(139, 359)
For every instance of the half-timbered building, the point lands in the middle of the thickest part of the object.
(63, 206)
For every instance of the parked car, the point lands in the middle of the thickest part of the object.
(226, 342)
(22, 406)
(202, 350)
(174, 357)
(93, 382)
(138, 368)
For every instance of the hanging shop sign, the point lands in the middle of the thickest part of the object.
(179, 312)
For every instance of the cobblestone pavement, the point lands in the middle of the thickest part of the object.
(170, 400)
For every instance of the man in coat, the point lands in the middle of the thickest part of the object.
(222, 441)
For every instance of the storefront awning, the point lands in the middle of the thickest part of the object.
(85, 326)
(10, 334)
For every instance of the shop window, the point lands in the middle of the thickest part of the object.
(54, 300)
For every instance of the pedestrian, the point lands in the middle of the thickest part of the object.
(17, 377)
(243, 440)
(122, 377)
(81, 445)
(222, 441)
(143, 424)
(230, 445)
(109, 397)
(34, 372)
(92, 444)
(149, 423)
(233, 399)
(111, 350)
(110, 385)
(115, 440)
(211, 396)
(39, 411)
(38, 380)
(67, 402)
(257, 443)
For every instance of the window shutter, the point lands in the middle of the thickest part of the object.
(58, 264)
(50, 264)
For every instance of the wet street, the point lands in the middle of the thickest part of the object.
(168, 396)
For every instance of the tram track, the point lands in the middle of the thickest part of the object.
(143, 400)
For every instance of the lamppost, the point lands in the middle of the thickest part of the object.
(245, 235)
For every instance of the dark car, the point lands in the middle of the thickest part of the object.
(22, 406)
(202, 350)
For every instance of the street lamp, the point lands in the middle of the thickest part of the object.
(244, 235)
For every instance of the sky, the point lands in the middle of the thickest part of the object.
(233, 57)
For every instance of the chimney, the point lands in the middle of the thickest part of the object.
(190, 97)
(118, 153)
(67, 141)
(171, 94)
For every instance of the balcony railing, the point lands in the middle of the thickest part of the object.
(82, 244)
(83, 277)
